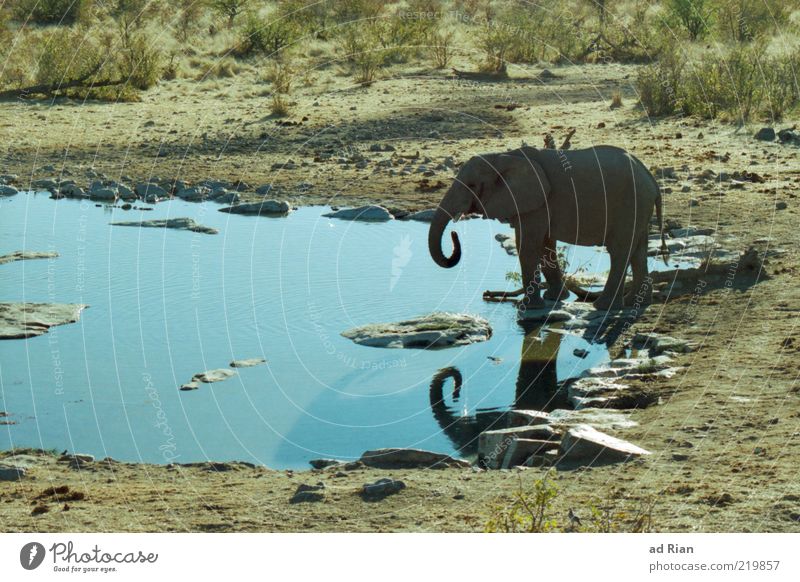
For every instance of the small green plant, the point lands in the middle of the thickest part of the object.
(607, 517)
(658, 84)
(528, 511)
(496, 40)
(259, 36)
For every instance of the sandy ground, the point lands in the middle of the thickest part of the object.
(725, 436)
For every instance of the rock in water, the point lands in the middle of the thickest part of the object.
(436, 330)
(6, 190)
(247, 363)
(210, 376)
(582, 443)
(176, 223)
(25, 256)
(370, 213)
(409, 459)
(24, 320)
(421, 216)
(267, 207)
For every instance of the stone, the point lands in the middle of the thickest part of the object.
(436, 330)
(103, 194)
(26, 256)
(324, 463)
(605, 419)
(308, 493)
(492, 444)
(11, 472)
(217, 375)
(781, 205)
(193, 194)
(580, 352)
(247, 363)
(190, 386)
(544, 315)
(371, 213)
(150, 191)
(520, 450)
(45, 184)
(381, 488)
(584, 444)
(421, 216)
(73, 191)
(609, 393)
(508, 242)
(409, 459)
(658, 344)
(765, 134)
(125, 193)
(789, 136)
(175, 223)
(265, 208)
(24, 320)
(690, 231)
(527, 417)
(8, 190)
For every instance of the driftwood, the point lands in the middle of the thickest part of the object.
(50, 89)
(481, 76)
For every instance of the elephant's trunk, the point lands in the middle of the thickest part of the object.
(438, 224)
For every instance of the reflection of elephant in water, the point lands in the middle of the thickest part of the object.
(595, 196)
(537, 388)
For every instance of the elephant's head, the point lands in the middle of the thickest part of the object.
(500, 186)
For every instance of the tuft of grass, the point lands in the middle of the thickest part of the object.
(279, 107)
(281, 75)
(616, 100)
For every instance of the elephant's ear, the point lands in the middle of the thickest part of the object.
(519, 185)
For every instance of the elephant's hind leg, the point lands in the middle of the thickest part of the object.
(612, 295)
(556, 290)
(641, 291)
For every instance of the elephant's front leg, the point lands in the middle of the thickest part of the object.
(551, 269)
(531, 252)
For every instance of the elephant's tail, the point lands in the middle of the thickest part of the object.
(660, 218)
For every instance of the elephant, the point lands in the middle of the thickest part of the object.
(598, 196)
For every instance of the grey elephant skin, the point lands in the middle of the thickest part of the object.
(599, 196)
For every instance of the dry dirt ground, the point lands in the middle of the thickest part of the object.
(725, 436)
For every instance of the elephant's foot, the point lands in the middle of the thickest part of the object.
(556, 292)
(604, 303)
(531, 302)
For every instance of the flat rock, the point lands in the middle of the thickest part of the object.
(600, 418)
(6, 190)
(265, 208)
(609, 393)
(381, 488)
(26, 256)
(210, 376)
(520, 450)
(585, 444)
(324, 463)
(508, 242)
(527, 417)
(409, 459)
(436, 330)
(658, 344)
(24, 320)
(372, 213)
(308, 493)
(544, 315)
(190, 386)
(247, 363)
(175, 223)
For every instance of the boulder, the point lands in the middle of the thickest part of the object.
(371, 213)
(49, 184)
(193, 194)
(217, 375)
(11, 472)
(26, 256)
(409, 459)
(324, 463)
(265, 208)
(189, 386)
(125, 193)
(520, 450)
(308, 493)
(149, 191)
(527, 417)
(584, 444)
(24, 320)
(247, 363)
(421, 216)
(492, 444)
(436, 330)
(175, 223)
(8, 190)
(765, 134)
(103, 194)
(381, 488)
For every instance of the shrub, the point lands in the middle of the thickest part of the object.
(50, 11)
(402, 38)
(266, 37)
(496, 40)
(440, 48)
(281, 75)
(280, 105)
(229, 9)
(692, 15)
(746, 20)
(66, 56)
(527, 511)
(352, 10)
(659, 84)
(141, 63)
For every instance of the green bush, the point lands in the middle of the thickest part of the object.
(528, 511)
(691, 15)
(50, 11)
(746, 20)
(229, 9)
(141, 63)
(67, 55)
